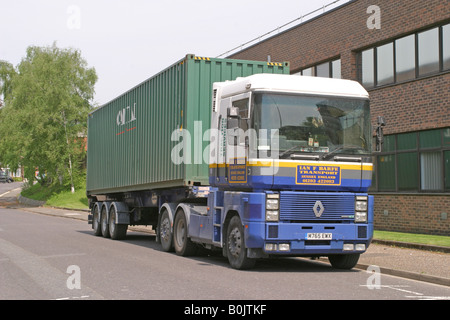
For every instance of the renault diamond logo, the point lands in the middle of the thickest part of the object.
(318, 209)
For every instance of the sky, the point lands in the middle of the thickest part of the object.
(129, 41)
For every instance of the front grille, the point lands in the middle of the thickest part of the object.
(298, 206)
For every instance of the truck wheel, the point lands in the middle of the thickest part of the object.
(96, 221)
(182, 244)
(236, 251)
(116, 231)
(104, 223)
(344, 261)
(165, 232)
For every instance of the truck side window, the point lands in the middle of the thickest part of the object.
(243, 112)
(242, 105)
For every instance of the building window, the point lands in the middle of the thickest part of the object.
(416, 55)
(431, 171)
(407, 171)
(428, 51)
(406, 141)
(446, 47)
(407, 161)
(385, 64)
(323, 70)
(447, 170)
(430, 139)
(329, 69)
(405, 58)
(386, 172)
(308, 72)
(368, 74)
(414, 162)
(336, 69)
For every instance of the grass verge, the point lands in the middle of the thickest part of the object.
(57, 196)
(432, 240)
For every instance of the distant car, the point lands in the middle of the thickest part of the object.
(5, 178)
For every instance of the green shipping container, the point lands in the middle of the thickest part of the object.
(130, 138)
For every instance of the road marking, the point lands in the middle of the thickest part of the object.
(415, 295)
(63, 255)
(68, 298)
(72, 214)
(399, 288)
(429, 298)
(396, 287)
(3, 194)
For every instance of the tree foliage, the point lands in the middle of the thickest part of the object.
(47, 98)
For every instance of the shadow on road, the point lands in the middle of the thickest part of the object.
(214, 258)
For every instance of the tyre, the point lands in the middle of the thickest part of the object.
(96, 221)
(104, 223)
(116, 231)
(235, 245)
(344, 261)
(182, 244)
(165, 232)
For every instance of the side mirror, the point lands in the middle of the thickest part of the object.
(233, 112)
(233, 130)
(380, 137)
(233, 121)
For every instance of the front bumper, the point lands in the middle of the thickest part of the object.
(275, 238)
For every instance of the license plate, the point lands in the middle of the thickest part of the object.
(319, 236)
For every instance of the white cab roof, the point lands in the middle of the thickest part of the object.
(295, 84)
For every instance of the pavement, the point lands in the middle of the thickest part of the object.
(419, 262)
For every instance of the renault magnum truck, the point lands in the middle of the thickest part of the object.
(237, 156)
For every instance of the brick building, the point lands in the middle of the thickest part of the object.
(400, 51)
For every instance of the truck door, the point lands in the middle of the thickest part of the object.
(237, 140)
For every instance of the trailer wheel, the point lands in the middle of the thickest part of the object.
(182, 244)
(96, 221)
(104, 223)
(236, 251)
(165, 232)
(344, 261)
(117, 231)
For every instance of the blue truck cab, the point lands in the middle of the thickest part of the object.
(290, 167)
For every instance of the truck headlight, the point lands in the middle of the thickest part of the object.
(272, 207)
(361, 209)
(272, 215)
(272, 204)
(360, 216)
(361, 205)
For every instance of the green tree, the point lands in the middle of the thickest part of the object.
(47, 98)
(7, 72)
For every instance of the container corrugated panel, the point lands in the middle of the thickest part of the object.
(130, 138)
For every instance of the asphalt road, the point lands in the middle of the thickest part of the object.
(46, 258)
(52, 258)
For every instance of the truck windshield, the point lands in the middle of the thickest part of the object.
(296, 124)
